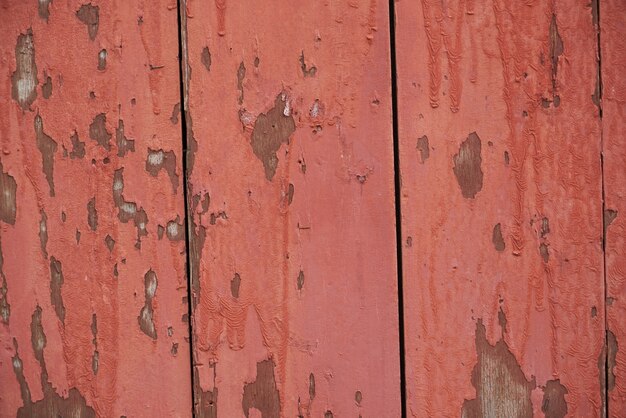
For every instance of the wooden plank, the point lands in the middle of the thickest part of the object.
(93, 290)
(613, 58)
(501, 208)
(293, 257)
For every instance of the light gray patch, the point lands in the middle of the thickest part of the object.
(124, 145)
(24, 80)
(166, 160)
(43, 233)
(146, 315)
(43, 9)
(102, 60)
(8, 193)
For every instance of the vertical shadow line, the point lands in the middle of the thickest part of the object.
(398, 187)
(183, 72)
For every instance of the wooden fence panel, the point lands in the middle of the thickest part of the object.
(293, 256)
(501, 204)
(92, 286)
(613, 33)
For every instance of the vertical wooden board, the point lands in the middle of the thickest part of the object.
(293, 254)
(501, 208)
(613, 58)
(93, 266)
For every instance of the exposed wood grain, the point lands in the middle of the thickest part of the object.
(292, 208)
(91, 300)
(503, 283)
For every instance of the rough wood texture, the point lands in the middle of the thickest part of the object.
(292, 208)
(612, 35)
(91, 296)
(501, 207)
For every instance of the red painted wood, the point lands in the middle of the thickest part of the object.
(293, 254)
(52, 139)
(613, 33)
(501, 208)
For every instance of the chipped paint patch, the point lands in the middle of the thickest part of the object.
(56, 283)
(109, 242)
(90, 16)
(95, 357)
(205, 58)
(502, 390)
(43, 9)
(92, 214)
(128, 210)
(235, 283)
(48, 147)
(159, 159)
(78, 147)
(612, 347)
(175, 230)
(608, 217)
(24, 80)
(467, 166)
(262, 394)
(300, 280)
(98, 131)
(358, 397)
(146, 316)
(196, 244)
(317, 109)
(556, 48)
(175, 113)
(311, 386)
(52, 404)
(271, 130)
(124, 145)
(553, 404)
(290, 192)
(207, 403)
(46, 87)
(5, 306)
(497, 239)
(8, 190)
(424, 148)
(43, 233)
(241, 75)
(102, 60)
(306, 71)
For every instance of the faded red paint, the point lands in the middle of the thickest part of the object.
(72, 285)
(511, 127)
(612, 35)
(293, 253)
(506, 227)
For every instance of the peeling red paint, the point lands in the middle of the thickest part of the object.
(280, 149)
(466, 67)
(524, 232)
(56, 199)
